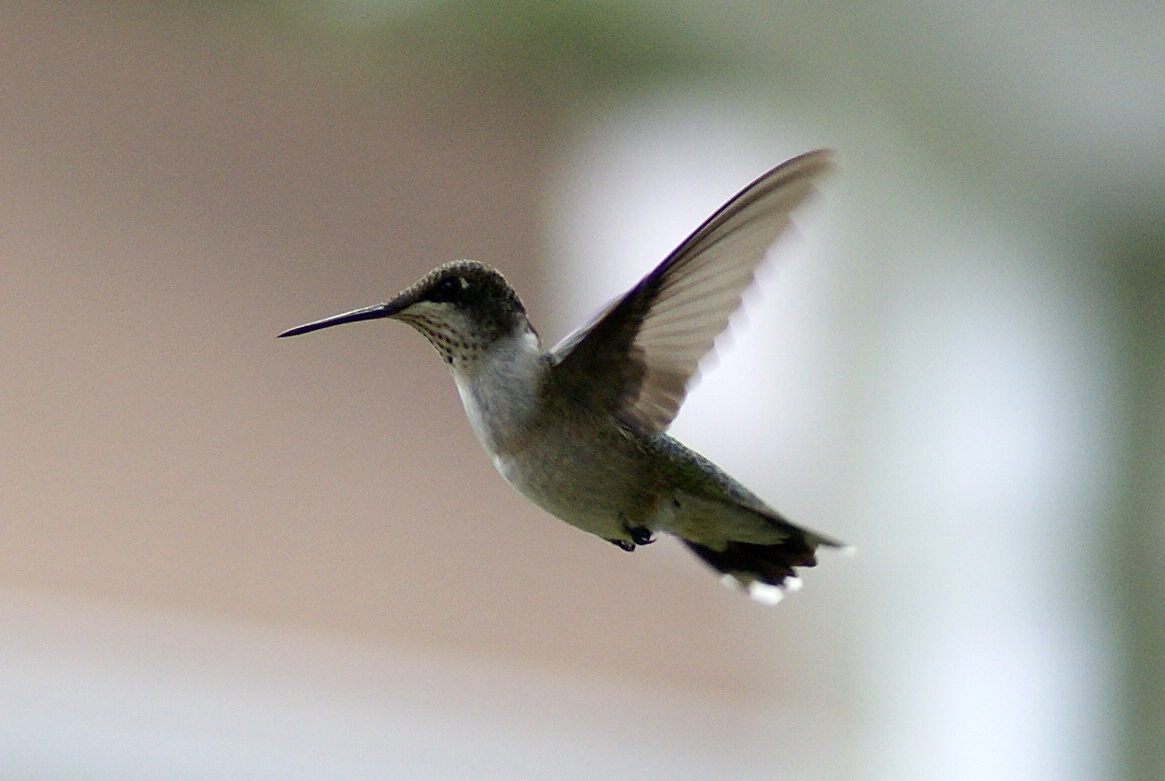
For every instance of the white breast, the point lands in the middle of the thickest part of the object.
(500, 393)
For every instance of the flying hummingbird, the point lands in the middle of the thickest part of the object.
(579, 430)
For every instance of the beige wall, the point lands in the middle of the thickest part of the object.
(175, 195)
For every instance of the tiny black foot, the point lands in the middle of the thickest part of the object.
(640, 535)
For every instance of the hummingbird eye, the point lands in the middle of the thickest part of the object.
(448, 289)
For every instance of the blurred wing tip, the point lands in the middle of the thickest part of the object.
(823, 157)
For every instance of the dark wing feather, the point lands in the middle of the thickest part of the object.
(646, 345)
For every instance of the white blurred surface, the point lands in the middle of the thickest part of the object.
(971, 473)
(94, 692)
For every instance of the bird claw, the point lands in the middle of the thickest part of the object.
(641, 535)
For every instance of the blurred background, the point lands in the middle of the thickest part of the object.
(226, 556)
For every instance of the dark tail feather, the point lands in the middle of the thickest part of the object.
(764, 571)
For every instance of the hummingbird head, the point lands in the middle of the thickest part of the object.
(462, 308)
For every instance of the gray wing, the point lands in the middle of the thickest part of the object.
(637, 356)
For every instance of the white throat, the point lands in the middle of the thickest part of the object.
(501, 389)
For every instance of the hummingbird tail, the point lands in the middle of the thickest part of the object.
(764, 571)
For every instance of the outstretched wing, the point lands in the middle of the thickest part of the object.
(645, 345)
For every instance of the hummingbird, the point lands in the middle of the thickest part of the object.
(580, 429)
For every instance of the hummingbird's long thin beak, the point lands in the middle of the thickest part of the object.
(374, 312)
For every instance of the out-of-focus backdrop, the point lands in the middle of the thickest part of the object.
(226, 556)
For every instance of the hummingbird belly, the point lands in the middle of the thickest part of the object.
(609, 484)
(607, 479)
(600, 482)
